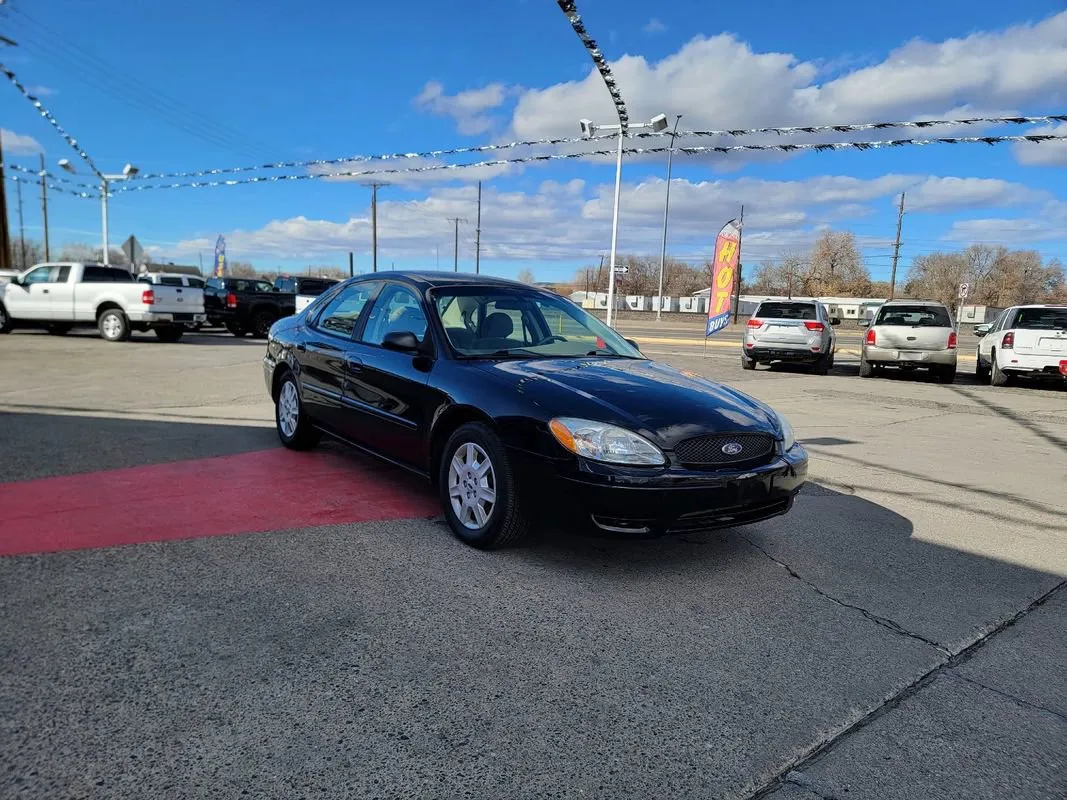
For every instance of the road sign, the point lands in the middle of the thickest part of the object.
(964, 288)
(133, 250)
(621, 270)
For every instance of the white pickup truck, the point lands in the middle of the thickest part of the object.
(61, 296)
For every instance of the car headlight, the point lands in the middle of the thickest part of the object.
(599, 441)
(788, 438)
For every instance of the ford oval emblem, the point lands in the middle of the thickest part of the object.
(731, 448)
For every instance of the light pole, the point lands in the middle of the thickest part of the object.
(658, 124)
(127, 172)
(666, 209)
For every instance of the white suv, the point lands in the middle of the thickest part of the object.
(791, 331)
(1023, 340)
(909, 335)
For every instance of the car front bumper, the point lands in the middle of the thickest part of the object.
(633, 502)
(909, 358)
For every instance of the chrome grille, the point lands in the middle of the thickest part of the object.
(726, 450)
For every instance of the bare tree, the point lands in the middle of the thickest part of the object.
(525, 276)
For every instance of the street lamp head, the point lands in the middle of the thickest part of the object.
(659, 123)
(588, 128)
(65, 164)
(130, 170)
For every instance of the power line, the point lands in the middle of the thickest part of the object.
(552, 142)
(132, 186)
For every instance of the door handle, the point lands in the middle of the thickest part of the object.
(353, 363)
(301, 347)
(44, 291)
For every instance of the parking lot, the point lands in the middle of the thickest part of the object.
(217, 616)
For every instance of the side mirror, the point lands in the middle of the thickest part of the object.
(865, 323)
(633, 344)
(835, 320)
(401, 341)
(982, 330)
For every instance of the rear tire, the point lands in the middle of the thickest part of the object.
(866, 370)
(169, 335)
(294, 428)
(236, 329)
(114, 326)
(261, 322)
(747, 363)
(822, 366)
(945, 374)
(996, 376)
(478, 490)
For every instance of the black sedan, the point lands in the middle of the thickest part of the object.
(513, 400)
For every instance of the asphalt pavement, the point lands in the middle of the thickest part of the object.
(897, 635)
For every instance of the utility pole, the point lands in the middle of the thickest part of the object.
(44, 211)
(455, 254)
(22, 229)
(478, 235)
(666, 210)
(374, 223)
(5, 237)
(896, 249)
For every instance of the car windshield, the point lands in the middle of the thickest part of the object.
(913, 316)
(1041, 319)
(786, 311)
(502, 322)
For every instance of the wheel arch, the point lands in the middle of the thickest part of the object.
(445, 423)
(108, 305)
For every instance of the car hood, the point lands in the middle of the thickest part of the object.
(664, 404)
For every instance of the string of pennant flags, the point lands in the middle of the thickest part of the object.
(48, 175)
(569, 8)
(52, 187)
(44, 112)
(487, 148)
(130, 186)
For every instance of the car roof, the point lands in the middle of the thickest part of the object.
(433, 279)
(906, 302)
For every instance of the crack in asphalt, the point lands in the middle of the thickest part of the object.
(885, 622)
(1007, 696)
(794, 769)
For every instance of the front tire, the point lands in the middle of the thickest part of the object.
(114, 326)
(5, 320)
(294, 428)
(478, 490)
(169, 335)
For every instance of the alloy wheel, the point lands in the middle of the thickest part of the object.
(288, 409)
(472, 486)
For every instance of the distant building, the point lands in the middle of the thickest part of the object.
(174, 269)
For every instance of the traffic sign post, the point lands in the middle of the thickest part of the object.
(964, 289)
(133, 250)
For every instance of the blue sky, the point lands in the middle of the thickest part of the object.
(174, 87)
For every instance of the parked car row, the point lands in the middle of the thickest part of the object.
(63, 296)
(911, 335)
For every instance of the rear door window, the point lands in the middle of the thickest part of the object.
(1041, 319)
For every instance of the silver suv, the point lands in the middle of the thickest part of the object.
(793, 331)
(910, 335)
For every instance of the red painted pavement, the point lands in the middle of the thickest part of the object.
(252, 492)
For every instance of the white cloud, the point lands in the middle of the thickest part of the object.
(572, 220)
(467, 108)
(654, 26)
(1000, 71)
(1047, 226)
(1045, 154)
(16, 144)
